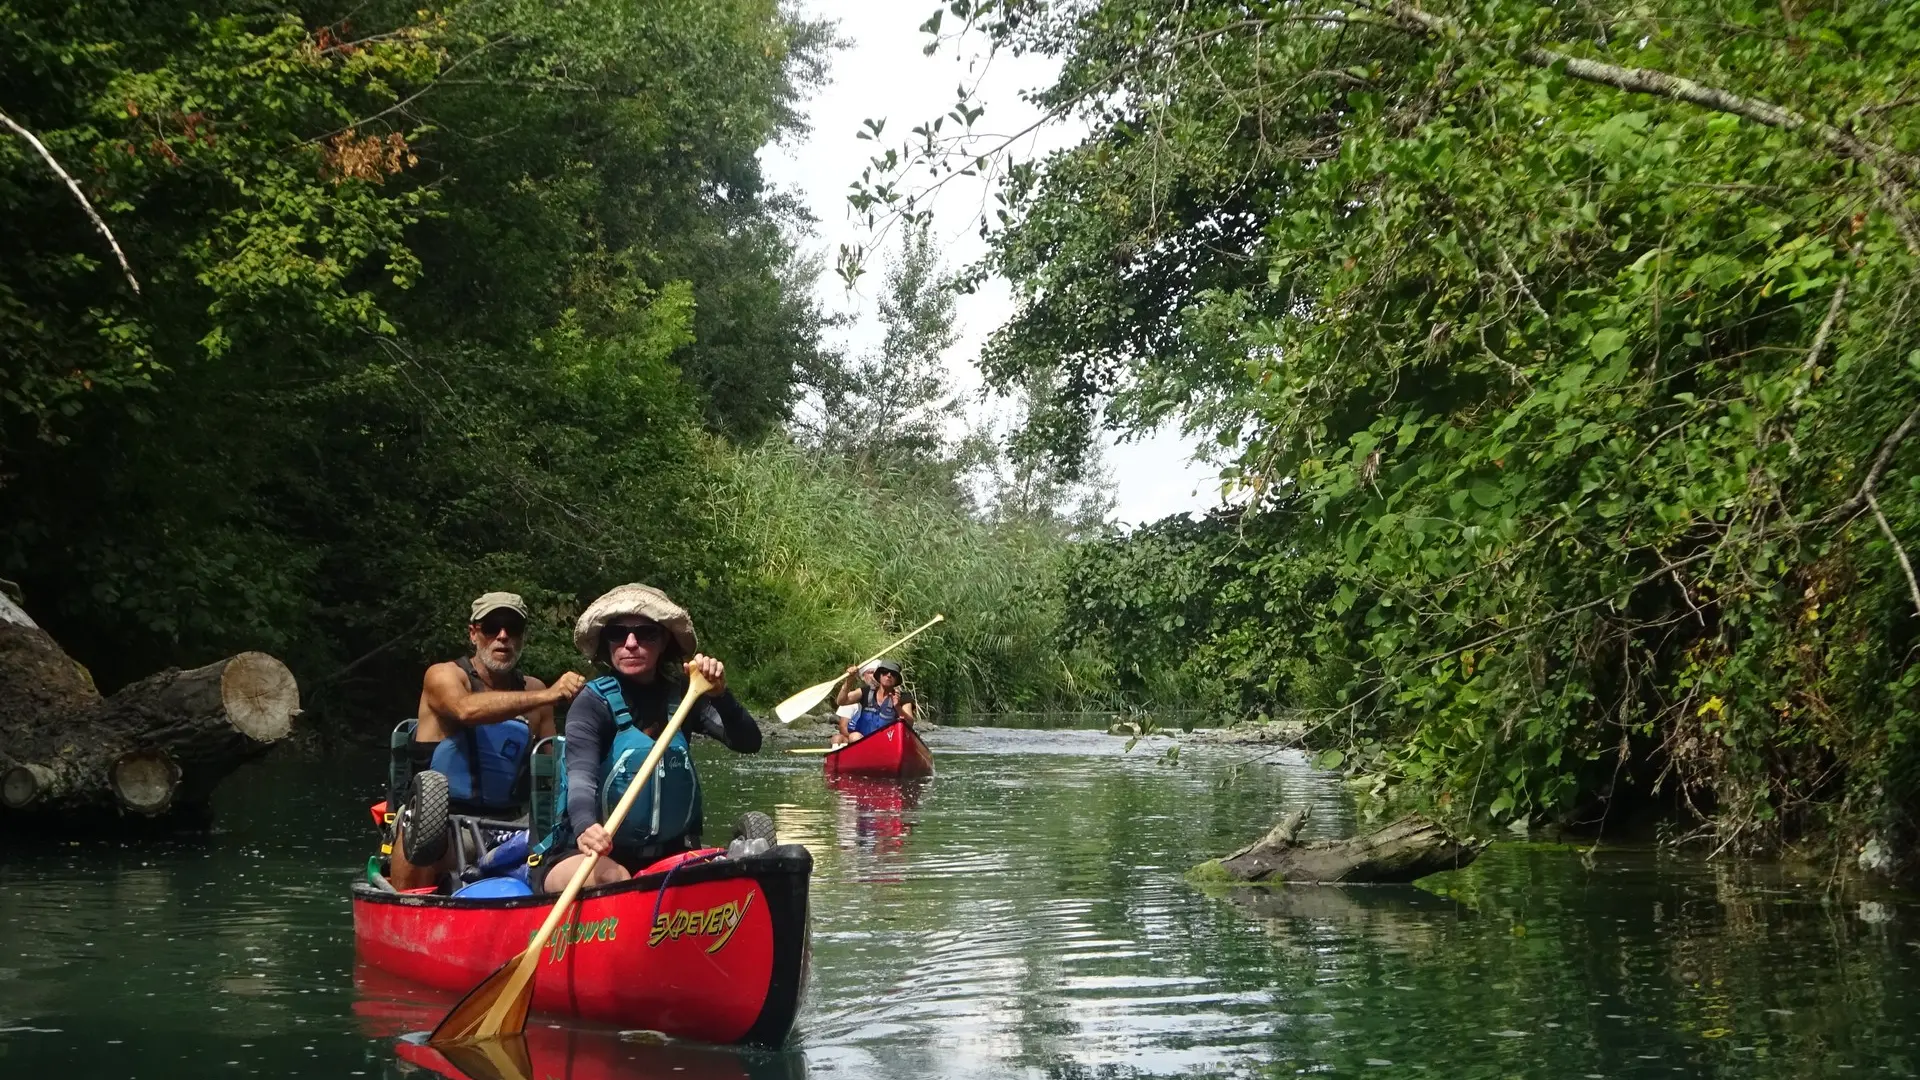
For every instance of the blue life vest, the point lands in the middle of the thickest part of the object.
(483, 763)
(663, 816)
(874, 714)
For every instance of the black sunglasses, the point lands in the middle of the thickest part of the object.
(493, 624)
(648, 633)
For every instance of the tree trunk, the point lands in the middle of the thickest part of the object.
(1401, 851)
(161, 744)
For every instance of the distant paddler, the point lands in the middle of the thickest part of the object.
(878, 705)
(803, 702)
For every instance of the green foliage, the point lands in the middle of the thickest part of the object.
(480, 296)
(839, 561)
(436, 300)
(1187, 610)
(1566, 381)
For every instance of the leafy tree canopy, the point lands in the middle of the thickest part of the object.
(1577, 340)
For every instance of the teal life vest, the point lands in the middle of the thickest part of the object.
(666, 815)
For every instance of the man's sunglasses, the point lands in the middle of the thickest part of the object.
(493, 624)
(647, 633)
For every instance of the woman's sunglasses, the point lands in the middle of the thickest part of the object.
(646, 633)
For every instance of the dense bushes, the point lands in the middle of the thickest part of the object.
(1568, 383)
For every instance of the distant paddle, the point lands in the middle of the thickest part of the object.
(803, 702)
(498, 1006)
(811, 749)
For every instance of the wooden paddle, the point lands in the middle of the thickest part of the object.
(803, 702)
(498, 1006)
(811, 749)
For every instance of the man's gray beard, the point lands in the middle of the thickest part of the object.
(485, 660)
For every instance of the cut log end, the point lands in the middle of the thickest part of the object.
(24, 785)
(260, 696)
(144, 781)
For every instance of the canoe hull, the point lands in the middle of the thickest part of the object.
(894, 750)
(715, 952)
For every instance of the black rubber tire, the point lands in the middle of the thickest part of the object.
(426, 833)
(753, 825)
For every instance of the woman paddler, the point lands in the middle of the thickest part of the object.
(644, 638)
(877, 704)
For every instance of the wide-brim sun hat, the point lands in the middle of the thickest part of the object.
(887, 665)
(633, 599)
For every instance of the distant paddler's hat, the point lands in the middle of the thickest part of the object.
(884, 664)
(487, 603)
(632, 599)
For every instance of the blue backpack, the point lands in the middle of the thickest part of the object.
(485, 764)
(667, 810)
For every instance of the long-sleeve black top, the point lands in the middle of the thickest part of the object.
(590, 735)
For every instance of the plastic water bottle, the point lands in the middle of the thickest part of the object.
(743, 847)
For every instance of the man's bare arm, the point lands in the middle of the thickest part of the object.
(541, 719)
(449, 696)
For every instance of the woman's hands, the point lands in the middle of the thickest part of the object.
(713, 670)
(596, 840)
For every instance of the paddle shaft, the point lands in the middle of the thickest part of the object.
(803, 702)
(902, 641)
(697, 685)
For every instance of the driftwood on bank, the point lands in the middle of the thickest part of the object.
(1398, 852)
(160, 744)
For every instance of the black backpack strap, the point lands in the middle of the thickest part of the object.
(464, 733)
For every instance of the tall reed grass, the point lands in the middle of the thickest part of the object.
(831, 563)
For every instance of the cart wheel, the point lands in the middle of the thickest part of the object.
(425, 834)
(753, 825)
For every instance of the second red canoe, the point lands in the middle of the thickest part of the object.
(894, 750)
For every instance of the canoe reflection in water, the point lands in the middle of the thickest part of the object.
(876, 813)
(391, 1008)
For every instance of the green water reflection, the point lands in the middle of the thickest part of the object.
(1022, 915)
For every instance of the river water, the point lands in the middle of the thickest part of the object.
(1022, 915)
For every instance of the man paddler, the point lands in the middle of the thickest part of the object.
(478, 719)
(646, 642)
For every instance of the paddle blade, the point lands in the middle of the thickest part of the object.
(803, 702)
(505, 1058)
(469, 1019)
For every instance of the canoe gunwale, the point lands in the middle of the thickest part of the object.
(785, 860)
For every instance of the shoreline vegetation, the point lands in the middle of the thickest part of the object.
(1563, 365)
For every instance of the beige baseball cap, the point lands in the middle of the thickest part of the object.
(494, 601)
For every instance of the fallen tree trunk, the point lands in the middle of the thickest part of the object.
(1401, 851)
(160, 744)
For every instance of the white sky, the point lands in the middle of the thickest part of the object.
(881, 73)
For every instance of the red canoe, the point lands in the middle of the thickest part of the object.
(714, 951)
(894, 750)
